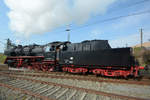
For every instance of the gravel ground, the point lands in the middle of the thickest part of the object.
(8, 94)
(122, 89)
(3, 67)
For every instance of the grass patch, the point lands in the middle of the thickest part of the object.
(142, 55)
(2, 58)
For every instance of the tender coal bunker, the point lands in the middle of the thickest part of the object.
(88, 45)
(104, 57)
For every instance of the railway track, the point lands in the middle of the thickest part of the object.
(41, 79)
(59, 75)
(145, 77)
(37, 89)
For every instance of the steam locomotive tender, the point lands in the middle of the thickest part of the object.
(92, 56)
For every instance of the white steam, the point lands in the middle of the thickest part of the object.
(38, 16)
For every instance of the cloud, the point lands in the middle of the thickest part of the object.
(38, 16)
(83, 9)
(129, 40)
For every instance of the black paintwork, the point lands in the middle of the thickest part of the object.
(93, 52)
(104, 57)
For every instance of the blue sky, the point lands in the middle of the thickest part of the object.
(119, 32)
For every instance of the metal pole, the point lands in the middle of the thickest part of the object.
(68, 30)
(68, 35)
(141, 37)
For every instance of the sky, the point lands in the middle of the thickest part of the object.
(44, 21)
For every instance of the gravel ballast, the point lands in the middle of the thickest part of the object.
(116, 88)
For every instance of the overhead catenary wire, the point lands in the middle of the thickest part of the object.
(118, 17)
(114, 18)
(109, 19)
(128, 6)
(106, 20)
(139, 2)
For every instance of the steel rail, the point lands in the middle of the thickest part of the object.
(87, 79)
(26, 92)
(77, 88)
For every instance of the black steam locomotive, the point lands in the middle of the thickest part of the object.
(92, 56)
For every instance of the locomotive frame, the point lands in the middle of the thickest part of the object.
(31, 62)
